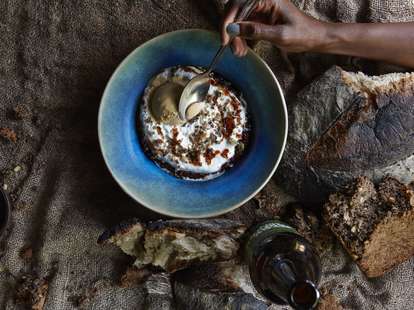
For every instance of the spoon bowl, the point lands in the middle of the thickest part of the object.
(193, 95)
(163, 103)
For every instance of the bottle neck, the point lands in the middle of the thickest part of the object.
(262, 231)
(304, 295)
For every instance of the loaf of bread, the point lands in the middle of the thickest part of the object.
(176, 244)
(345, 125)
(374, 223)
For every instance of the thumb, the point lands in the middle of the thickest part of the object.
(254, 31)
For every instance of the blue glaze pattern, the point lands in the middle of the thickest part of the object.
(155, 188)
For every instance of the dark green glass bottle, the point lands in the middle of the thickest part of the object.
(284, 267)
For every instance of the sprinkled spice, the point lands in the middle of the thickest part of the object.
(159, 131)
(174, 142)
(175, 133)
(213, 82)
(235, 105)
(228, 126)
(194, 158)
(210, 154)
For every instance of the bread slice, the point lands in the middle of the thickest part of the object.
(374, 224)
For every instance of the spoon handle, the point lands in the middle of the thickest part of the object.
(247, 9)
(216, 59)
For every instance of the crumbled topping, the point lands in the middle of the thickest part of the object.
(207, 144)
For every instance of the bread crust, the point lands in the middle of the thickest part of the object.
(345, 125)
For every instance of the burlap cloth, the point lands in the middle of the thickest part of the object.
(55, 59)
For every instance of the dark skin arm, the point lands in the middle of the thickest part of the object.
(281, 23)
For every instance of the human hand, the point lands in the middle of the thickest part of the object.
(277, 21)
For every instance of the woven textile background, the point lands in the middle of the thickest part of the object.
(55, 59)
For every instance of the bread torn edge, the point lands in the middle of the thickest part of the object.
(171, 245)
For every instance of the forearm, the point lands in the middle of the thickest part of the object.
(393, 43)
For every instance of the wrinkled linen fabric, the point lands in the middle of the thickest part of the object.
(56, 57)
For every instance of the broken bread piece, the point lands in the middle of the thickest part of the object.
(374, 224)
(127, 235)
(176, 244)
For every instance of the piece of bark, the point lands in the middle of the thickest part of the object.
(41, 295)
(308, 225)
(374, 224)
(329, 302)
(32, 291)
(8, 134)
(134, 276)
(268, 204)
(304, 221)
(176, 244)
(82, 300)
(345, 125)
(21, 112)
(26, 253)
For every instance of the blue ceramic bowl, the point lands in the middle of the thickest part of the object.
(155, 188)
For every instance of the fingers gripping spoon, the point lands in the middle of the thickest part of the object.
(194, 93)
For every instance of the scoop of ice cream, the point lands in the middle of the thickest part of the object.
(164, 103)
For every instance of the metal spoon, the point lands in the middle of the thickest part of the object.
(195, 92)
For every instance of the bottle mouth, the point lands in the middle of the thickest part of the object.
(304, 295)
